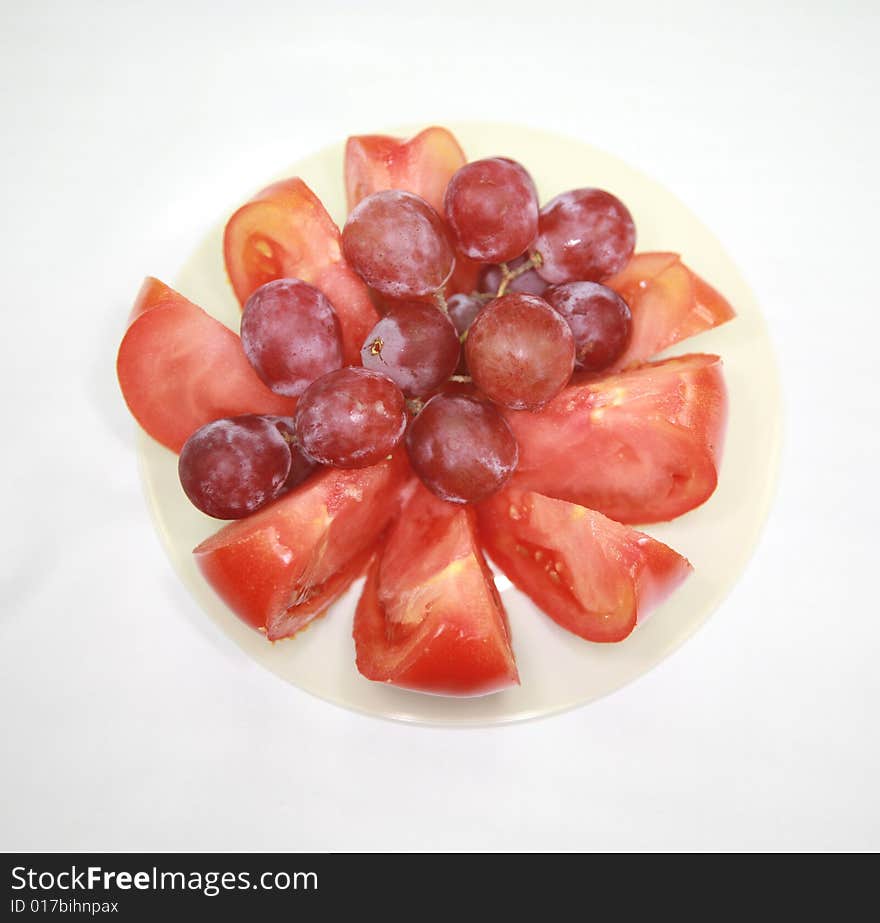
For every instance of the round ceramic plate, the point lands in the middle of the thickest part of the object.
(558, 670)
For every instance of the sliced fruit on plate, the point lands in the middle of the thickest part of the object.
(423, 164)
(669, 303)
(592, 575)
(640, 446)
(179, 369)
(430, 618)
(282, 567)
(285, 232)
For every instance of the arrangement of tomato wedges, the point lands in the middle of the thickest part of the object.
(460, 371)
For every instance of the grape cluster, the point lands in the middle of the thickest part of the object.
(232, 467)
(434, 373)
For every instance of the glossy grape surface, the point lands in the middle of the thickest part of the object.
(301, 466)
(492, 209)
(530, 282)
(584, 235)
(415, 345)
(461, 448)
(232, 467)
(398, 245)
(599, 318)
(291, 335)
(463, 309)
(520, 351)
(351, 418)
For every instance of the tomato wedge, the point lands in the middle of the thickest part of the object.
(423, 164)
(179, 369)
(285, 232)
(595, 577)
(640, 446)
(430, 618)
(669, 303)
(282, 567)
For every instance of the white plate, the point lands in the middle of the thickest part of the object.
(557, 669)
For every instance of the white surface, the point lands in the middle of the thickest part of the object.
(130, 721)
(558, 670)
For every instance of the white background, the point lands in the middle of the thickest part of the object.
(130, 721)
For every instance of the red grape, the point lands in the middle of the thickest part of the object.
(232, 467)
(492, 209)
(351, 418)
(599, 319)
(398, 245)
(530, 282)
(520, 351)
(462, 311)
(461, 448)
(301, 466)
(415, 345)
(584, 235)
(291, 335)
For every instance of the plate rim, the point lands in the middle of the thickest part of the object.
(763, 500)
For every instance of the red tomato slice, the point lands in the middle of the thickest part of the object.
(669, 303)
(152, 294)
(593, 576)
(639, 446)
(285, 232)
(424, 164)
(179, 369)
(282, 567)
(430, 618)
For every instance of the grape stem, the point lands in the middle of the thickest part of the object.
(414, 405)
(440, 299)
(508, 275)
(464, 379)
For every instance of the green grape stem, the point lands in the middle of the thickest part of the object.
(507, 276)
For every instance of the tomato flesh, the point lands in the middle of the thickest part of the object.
(430, 618)
(640, 446)
(669, 303)
(423, 165)
(282, 567)
(179, 369)
(285, 232)
(593, 576)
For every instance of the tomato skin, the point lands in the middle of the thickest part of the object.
(640, 446)
(423, 165)
(430, 618)
(179, 369)
(280, 568)
(669, 303)
(285, 232)
(153, 294)
(591, 575)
